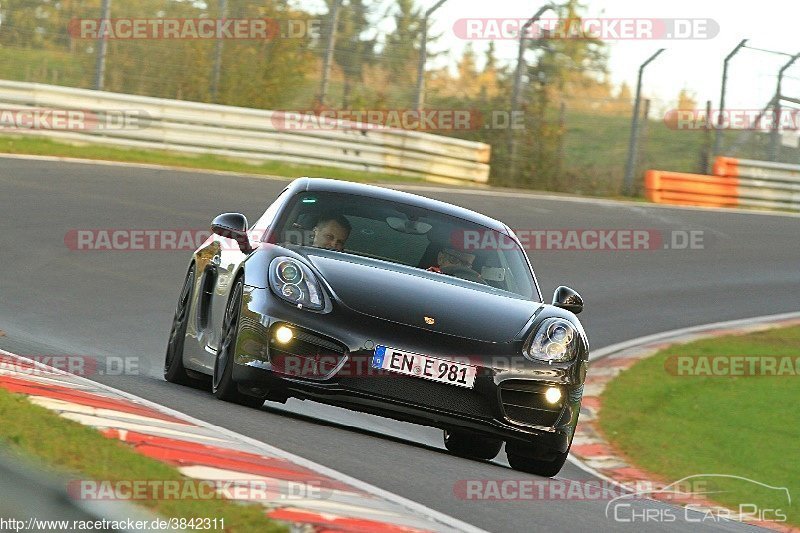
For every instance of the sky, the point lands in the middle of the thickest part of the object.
(694, 65)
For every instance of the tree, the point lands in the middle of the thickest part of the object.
(353, 51)
(624, 93)
(467, 84)
(572, 60)
(686, 100)
(571, 64)
(401, 49)
(490, 77)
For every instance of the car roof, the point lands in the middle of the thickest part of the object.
(382, 193)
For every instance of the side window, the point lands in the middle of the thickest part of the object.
(261, 225)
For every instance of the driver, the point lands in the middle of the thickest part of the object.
(331, 232)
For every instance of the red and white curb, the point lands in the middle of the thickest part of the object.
(593, 453)
(330, 502)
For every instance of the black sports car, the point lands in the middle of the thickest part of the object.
(388, 303)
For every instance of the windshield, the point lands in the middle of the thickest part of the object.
(407, 235)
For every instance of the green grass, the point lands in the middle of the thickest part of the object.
(677, 426)
(41, 146)
(57, 67)
(76, 450)
(596, 149)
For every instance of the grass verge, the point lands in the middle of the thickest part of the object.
(43, 146)
(682, 425)
(81, 452)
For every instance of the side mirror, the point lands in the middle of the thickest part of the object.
(232, 226)
(568, 299)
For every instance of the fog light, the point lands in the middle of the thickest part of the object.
(552, 394)
(284, 335)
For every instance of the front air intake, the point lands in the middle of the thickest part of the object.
(524, 402)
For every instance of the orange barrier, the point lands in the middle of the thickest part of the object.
(691, 189)
(726, 166)
(736, 182)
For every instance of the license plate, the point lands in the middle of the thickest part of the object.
(424, 366)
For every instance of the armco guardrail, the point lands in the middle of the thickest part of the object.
(736, 182)
(761, 170)
(253, 134)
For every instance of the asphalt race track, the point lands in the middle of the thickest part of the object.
(58, 301)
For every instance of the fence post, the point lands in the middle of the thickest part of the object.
(720, 119)
(644, 131)
(215, 76)
(419, 99)
(562, 129)
(326, 65)
(706, 150)
(102, 48)
(774, 134)
(516, 89)
(627, 186)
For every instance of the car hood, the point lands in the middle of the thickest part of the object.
(407, 296)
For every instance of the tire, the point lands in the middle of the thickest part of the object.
(222, 385)
(174, 371)
(471, 446)
(539, 467)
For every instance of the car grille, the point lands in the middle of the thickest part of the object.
(307, 355)
(439, 396)
(524, 403)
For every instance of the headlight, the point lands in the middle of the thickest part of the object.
(555, 340)
(292, 281)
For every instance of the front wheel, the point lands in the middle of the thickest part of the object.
(470, 445)
(174, 371)
(543, 465)
(222, 384)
